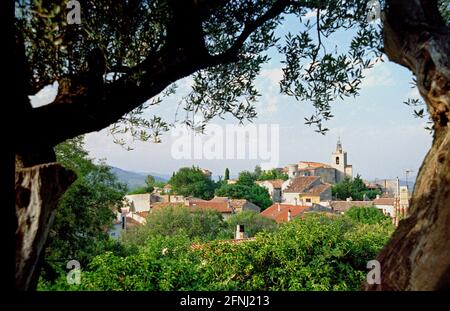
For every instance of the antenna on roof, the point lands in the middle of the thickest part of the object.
(407, 172)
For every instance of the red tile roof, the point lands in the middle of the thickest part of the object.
(314, 164)
(317, 190)
(132, 223)
(219, 199)
(221, 207)
(158, 205)
(238, 203)
(343, 206)
(301, 184)
(143, 214)
(276, 183)
(282, 215)
(384, 201)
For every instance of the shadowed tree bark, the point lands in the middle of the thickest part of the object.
(418, 255)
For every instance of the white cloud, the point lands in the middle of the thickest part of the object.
(274, 75)
(312, 14)
(379, 75)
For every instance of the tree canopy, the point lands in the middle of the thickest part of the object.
(191, 181)
(272, 174)
(203, 225)
(85, 212)
(112, 60)
(353, 188)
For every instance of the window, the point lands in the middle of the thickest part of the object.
(337, 160)
(308, 200)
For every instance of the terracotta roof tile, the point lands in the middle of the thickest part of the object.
(301, 184)
(343, 206)
(276, 183)
(281, 215)
(314, 164)
(132, 222)
(219, 199)
(221, 207)
(317, 190)
(143, 214)
(384, 201)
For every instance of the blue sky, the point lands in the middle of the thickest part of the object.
(377, 130)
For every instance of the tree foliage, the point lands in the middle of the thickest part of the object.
(367, 215)
(246, 178)
(111, 58)
(197, 224)
(227, 174)
(272, 174)
(353, 188)
(254, 193)
(85, 212)
(253, 223)
(190, 181)
(316, 253)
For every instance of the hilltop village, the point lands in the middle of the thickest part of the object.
(304, 187)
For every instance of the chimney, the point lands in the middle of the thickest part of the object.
(123, 215)
(378, 196)
(239, 235)
(349, 199)
(279, 207)
(289, 215)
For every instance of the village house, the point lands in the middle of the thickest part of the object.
(305, 190)
(387, 205)
(125, 220)
(281, 212)
(273, 187)
(223, 205)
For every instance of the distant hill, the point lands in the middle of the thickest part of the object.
(135, 180)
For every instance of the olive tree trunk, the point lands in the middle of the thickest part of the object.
(418, 255)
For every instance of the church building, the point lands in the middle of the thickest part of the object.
(331, 173)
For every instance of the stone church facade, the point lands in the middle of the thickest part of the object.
(331, 173)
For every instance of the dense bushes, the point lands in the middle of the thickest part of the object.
(199, 224)
(315, 253)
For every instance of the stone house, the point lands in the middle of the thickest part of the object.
(305, 190)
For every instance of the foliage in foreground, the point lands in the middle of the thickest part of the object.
(85, 211)
(204, 225)
(315, 253)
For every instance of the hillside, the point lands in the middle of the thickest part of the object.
(133, 179)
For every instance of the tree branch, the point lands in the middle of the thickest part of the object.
(231, 54)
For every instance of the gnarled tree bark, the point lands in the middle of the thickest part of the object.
(38, 190)
(418, 255)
